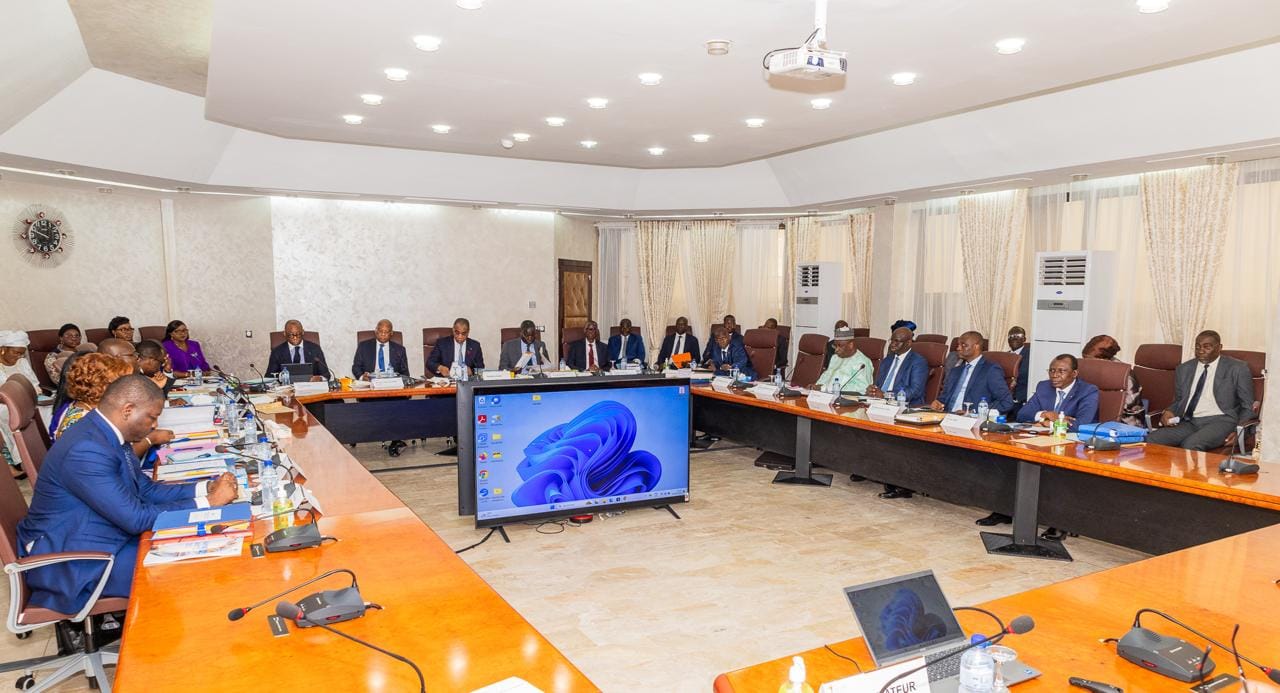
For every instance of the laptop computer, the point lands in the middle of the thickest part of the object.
(299, 371)
(907, 617)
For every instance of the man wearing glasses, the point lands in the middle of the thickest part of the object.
(295, 350)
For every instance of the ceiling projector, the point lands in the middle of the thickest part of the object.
(813, 60)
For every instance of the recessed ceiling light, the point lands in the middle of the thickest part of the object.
(588, 144)
(427, 43)
(755, 122)
(718, 46)
(650, 79)
(657, 151)
(1152, 6)
(521, 136)
(441, 129)
(555, 121)
(902, 79)
(470, 4)
(396, 74)
(352, 119)
(597, 102)
(700, 138)
(1010, 46)
(371, 99)
(818, 105)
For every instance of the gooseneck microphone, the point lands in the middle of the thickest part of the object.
(258, 373)
(237, 614)
(1271, 673)
(293, 613)
(1018, 626)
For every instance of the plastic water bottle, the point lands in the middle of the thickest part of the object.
(242, 479)
(1060, 426)
(734, 373)
(984, 409)
(902, 399)
(261, 449)
(836, 384)
(977, 670)
(283, 376)
(198, 376)
(233, 418)
(796, 678)
(777, 376)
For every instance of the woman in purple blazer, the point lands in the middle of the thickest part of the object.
(184, 353)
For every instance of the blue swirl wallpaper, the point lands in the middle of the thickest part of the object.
(557, 451)
(904, 621)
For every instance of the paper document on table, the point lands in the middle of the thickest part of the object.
(1043, 441)
(186, 420)
(216, 546)
(515, 684)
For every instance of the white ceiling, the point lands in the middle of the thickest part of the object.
(293, 67)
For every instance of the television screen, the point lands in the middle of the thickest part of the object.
(556, 451)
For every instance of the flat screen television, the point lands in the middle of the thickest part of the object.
(576, 447)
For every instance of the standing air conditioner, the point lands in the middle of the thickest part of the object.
(819, 292)
(1073, 299)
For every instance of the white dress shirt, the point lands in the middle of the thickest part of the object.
(1208, 404)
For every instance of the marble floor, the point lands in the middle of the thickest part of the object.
(641, 601)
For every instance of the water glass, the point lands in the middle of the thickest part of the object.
(1001, 654)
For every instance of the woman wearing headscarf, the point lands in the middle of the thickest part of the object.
(13, 362)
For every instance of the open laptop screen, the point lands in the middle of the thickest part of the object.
(904, 617)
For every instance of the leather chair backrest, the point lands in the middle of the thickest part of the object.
(932, 338)
(365, 335)
(29, 433)
(1257, 362)
(431, 336)
(935, 355)
(808, 367)
(277, 337)
(510, 333)
(714, 325)
(13, 507)
(873, 347)
(671, 329)
(762, 350)
(1154, 366)
(96, 334)
(43, 342)
(1112, 379)
(569, 336)
(155, 332)
(1009, 362)
(862, 332)
(616, 330)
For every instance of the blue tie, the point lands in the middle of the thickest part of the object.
(382, 363)
(893, 370)
(1057, 406)
(958, 398)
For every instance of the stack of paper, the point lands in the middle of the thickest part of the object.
(229, 520)
(188, 422)
(199, 466)
(216, 546)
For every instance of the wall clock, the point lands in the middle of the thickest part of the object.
(42, 236)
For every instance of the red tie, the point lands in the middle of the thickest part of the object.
(591, 356)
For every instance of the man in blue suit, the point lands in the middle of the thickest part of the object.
(682, 342)
(462, 348)
(92, 496)
(725, 353)
(626, 345)
(902, 371)
(973, 379)
(1062, 393)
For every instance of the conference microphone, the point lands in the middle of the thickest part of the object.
(1149, 649)
(237, 614)
(1018, 626)
(294, 613)
(257, 372)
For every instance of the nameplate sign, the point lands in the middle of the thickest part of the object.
(626, 370)
(874, 681)
(495, 375)
(387, 383)
(305, 388)
(959, 423)
(820, 398)
(883, 412)
(765, 390)
(721, 383)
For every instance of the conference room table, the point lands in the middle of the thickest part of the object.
(366, 415)
(1152, 498)
(435, 610)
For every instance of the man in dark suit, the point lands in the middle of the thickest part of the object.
(1212, 394)
(1063, 393)
(831, 345)
(295, 349)
(724, 354)
(380, 354)
(905, 371)
(682, 342)
(626, 345)
(461, 348)
(589, 355)
(92, 496)
(1018, 345)
(973, 379)
(527, 343)
(781, 360)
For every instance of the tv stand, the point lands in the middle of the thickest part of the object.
(503, 531)
(669, 509)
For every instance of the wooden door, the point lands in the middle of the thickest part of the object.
(574, 282)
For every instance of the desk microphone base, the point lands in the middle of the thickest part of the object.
(1006, 545)
(810, 480)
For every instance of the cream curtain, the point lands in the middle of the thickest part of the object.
(927, 281)
(861, 227)
(709, 254)
(657, 258)
(1184, 218)
(802, 246)
(758, 275)
(992, 227)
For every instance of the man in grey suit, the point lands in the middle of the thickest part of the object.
(528, 342)
(1212, 393)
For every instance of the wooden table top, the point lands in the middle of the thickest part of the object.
(340, 483)
(1211, 587)
(422, 390)
(1180, 470)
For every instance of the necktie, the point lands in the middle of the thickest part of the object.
(679, 344)
(1195, 396)
(382, 357)
(459, 356)
(591, 356)
(958, 398)
(297, 354)
(1057, 405)
(893, 373)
